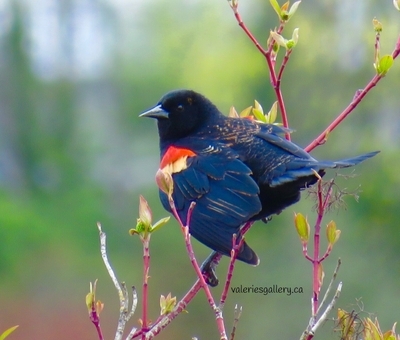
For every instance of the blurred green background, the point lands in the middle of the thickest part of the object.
(74, 77)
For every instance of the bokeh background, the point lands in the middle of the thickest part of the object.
(74, 76)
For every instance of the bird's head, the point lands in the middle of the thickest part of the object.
(180, 113)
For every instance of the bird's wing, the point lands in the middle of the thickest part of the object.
(283, 161)
(226, 195)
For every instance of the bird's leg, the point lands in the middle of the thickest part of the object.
(269, 217)
(266, 219)
(208, 268)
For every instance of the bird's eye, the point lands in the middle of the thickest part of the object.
(179, 108)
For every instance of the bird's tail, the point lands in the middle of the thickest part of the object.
(345, 163)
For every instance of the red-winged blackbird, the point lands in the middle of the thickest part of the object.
(236, 170)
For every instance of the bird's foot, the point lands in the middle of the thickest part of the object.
(208, 268)
(266, 219)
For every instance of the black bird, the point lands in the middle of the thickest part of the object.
(236, 170)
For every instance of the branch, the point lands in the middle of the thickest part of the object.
(238, 313)
(270, 58)
(234, 253)
(165, 320)
(124, 315)
(146, 268)
(309, 334)
(321, 139)
(185, 231)
(339, 262)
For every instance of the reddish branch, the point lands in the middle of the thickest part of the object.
(234, 253)
(146, 267)
(94, 317)
(164, 320)
(270, 58)
(276, 80)
(356, 100)
(185, 230)
(316, 261)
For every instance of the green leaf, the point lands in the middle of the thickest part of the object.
(371, 330)
(258, 106)
(389, 335)
(292, 42)
(385, 63)
(272, 113)
(258, 112)
(246, 112)
(276, 7)
(331, 232)
(160, 223)
(8, 332)
(167, 304)
(280, 40)
(293, 9)
(302, 227)
(378, 27)
(233, 113)
(164, 181)
(144, 211)
(321, 275)
(259, 115)
(346, 322)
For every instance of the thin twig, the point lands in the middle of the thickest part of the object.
(339, 262)
(246, 30)
(185, 230)
(315, 262)
(234, 253)
(356, 100)
(238, 313)
(124, 315)
(94, 311)
(309, 333)
(133, 309)
(146, 267)
(270, 58)
(165, 320)
(328, 309)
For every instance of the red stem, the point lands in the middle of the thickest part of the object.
(327, 253)
(271, 66)
(247, 31)
(315, 261)
(377, 48)
(276, 80)
(279, 96)
(185, 230)
(146, 267)
(94, 317)
(281, 69)
(356, 100)
(164, 320)
(305, 252)
(234, 253)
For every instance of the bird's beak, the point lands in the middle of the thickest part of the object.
(155, 112)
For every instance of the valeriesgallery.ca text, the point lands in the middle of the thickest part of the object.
(274, 289)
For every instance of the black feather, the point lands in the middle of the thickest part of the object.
(242, 170)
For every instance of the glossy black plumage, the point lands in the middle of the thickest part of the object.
(236, 170)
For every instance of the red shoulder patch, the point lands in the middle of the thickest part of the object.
(249, 117)
(173, 154)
